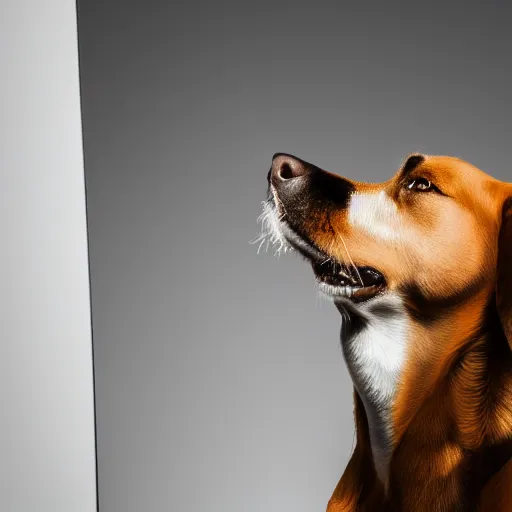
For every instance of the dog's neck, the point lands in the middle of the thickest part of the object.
(374, 347)
(410, 396)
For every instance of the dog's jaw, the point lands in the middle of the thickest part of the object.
(277, 233)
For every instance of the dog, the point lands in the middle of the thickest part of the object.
(420, 268)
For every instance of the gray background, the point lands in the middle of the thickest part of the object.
(46, 380)
(220, 382)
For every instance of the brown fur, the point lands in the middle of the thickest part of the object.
(452, 418)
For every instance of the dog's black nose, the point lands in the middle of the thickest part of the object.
(296, 182)
(287, 167)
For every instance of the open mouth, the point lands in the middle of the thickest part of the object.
(355, 283)
(335, 279)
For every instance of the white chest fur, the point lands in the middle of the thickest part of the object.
(375, 355)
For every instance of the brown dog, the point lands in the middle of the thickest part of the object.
(420, 268)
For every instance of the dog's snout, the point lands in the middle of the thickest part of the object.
(301, 186)
(286, 167)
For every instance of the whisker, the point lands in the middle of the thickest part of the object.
(351, 260)
(271, 234)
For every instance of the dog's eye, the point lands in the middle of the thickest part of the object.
(420, 184)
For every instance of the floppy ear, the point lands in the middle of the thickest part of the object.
(504, 276)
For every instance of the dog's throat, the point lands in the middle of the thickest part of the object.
(373, 339)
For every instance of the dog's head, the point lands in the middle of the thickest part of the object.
(437, 233)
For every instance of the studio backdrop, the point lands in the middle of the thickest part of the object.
(220, 383)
